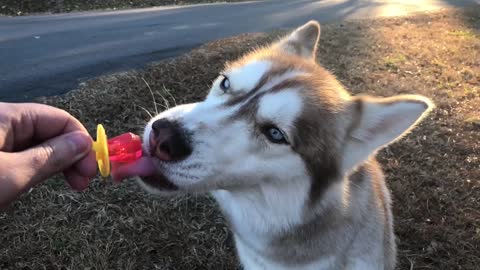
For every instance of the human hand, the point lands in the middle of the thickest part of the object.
(36, 142)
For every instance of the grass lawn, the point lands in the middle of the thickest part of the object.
(434, 173)
(25, 7)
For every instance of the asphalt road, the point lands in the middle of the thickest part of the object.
(50, 54)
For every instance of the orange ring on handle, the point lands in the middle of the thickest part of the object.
(101, 151)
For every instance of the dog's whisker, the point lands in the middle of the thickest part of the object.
(149, 114)
(168, 92)
(153, 96)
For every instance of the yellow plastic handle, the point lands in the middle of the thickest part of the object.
(101, 150)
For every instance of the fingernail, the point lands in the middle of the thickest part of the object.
(79, 143)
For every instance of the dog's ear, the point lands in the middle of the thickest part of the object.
(303, 41)
(378, 122)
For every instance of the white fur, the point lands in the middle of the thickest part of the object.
(282, 108)
(269, 210)
(246, 77)
(278, 79)
(258, 216)
(252, 261)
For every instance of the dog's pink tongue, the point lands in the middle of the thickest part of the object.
(141, 167)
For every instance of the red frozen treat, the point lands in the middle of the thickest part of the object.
(125, 148)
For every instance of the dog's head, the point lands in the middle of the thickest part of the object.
(273, 116)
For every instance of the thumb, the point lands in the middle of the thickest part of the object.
(53, 156)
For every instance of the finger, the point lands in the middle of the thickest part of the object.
(50, 121)
(87, 166)
(79, 175)
(76, 180)
(53, 156)
(11, 185)
(30, 122)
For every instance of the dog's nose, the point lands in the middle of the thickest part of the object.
(168, 141)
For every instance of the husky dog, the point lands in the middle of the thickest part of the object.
(289, 156)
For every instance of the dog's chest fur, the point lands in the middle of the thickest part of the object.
(349, 228)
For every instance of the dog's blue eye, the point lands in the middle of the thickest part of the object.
(225, 84)
(275, 135)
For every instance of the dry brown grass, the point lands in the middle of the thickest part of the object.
(434, 172)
